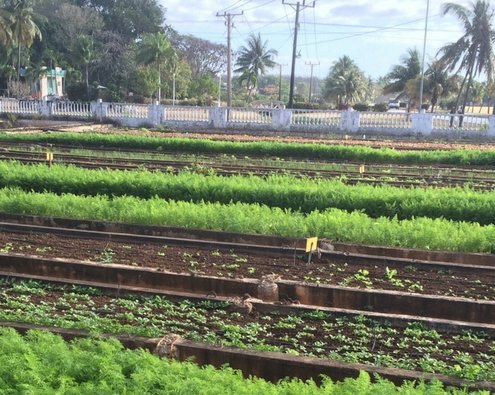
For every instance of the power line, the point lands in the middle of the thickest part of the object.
(249, 25)
(369, 32)
(231, 6)
(305, 36)
(259, 6)
(279, 21)
(314, 32)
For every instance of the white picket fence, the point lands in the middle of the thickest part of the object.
(71, 109)
(135, 115)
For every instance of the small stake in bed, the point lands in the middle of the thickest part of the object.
(311, 246)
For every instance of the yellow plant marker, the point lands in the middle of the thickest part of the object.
(361, 169)
(311, 244)
(49, 158)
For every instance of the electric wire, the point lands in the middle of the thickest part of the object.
(260, 5)
(369, 32)
(314, 32)
(230, 7)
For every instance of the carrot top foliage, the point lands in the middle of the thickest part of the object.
(43, 363)
(263, 148)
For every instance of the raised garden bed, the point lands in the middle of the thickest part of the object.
(468, 355)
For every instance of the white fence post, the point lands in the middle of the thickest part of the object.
(217, 117)
(350, 120)
(155, 112)
(44, 108)
(491, 125)
(94, 109)
(422, 122)
(99, 109)
(281, 119)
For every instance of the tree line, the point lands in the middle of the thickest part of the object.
(124, 51)
(451, 76)
(121, 50)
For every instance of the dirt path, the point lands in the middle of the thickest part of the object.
(410, 143)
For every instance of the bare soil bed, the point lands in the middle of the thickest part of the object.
(410, 143)
(354, 339)
(234, 264)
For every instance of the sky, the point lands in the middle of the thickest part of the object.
(376, 34)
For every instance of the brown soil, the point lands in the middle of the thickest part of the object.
(332, 333)
(411, 143)
(233, 264)
(355, 340)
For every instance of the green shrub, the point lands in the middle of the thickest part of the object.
(361, 107)
(380, 107)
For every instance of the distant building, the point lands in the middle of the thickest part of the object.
(50, 83)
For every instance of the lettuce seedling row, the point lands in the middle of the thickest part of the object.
(467, 354)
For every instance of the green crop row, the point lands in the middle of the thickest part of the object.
(467, 355)
(262, 148)
(356, 227)
(282, 191)
(43, 363)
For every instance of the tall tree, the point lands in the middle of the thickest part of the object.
(24, 28)
(129, 18)
(7, 67)
(204, 57)
(345, 83)
(63, 35)
(409, 69)
(438, 82)
(254, 60)
(155, 48)
(477, 94)
(84, 54)
(473, 51)
(5, 27)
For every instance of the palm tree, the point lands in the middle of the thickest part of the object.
(410, 69)
(7, 65)
(24, 29)
(253, 61)
(438, 82)
(156, 48)
(84, 54)
(345, 82)
(477, 94)
(5, 27)
(473, 52)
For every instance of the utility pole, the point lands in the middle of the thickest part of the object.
(311, 79)
(421, 88)
(298, 6)
(173, 89)
(219, 89)
(280, 81)
(229, 25)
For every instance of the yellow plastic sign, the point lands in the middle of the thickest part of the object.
(311, 244)
(361, 169)
(49, 156)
